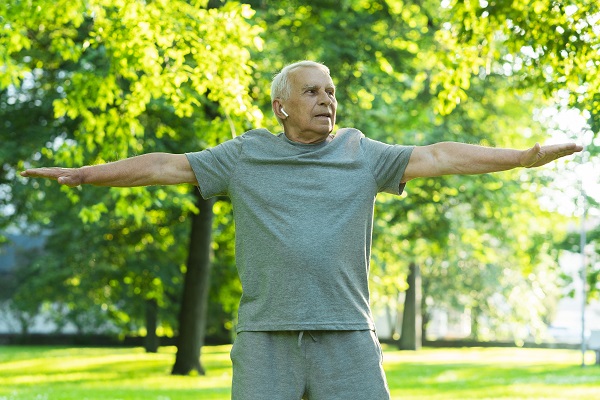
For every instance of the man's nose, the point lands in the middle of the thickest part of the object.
(325, 99)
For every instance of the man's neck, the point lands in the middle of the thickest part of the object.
(308, 139)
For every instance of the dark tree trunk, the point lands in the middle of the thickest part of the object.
(151, 341)
(192, 315)
(410, 338)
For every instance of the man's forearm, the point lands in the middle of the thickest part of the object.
(451, 158)
(134, 171)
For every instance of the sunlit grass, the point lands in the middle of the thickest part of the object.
(129, 373)
(108, 373)
(492, 373)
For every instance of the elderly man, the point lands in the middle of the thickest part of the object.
(303, 207)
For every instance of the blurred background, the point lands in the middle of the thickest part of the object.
(510, 258)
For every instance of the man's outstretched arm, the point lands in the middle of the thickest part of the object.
(145, 170)
(449, 158)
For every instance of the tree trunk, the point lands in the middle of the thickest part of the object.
(424, 322)
(151, 341)
(192, 315)
(410, 338)
(475, 313)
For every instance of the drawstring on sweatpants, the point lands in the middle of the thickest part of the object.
(301, 335)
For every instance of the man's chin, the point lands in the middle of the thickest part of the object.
(328, 129)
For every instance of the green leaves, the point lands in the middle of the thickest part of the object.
(549, 44)
(123, 56)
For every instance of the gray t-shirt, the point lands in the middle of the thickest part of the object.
(303, 216)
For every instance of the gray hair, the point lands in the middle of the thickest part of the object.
(281, 86)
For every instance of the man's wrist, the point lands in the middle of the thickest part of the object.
(84, 175)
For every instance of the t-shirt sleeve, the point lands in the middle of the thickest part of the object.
(213, 167)
(388, 163)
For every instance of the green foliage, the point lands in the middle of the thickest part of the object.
(545, 44)
(116, 59)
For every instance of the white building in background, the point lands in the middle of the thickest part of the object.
(567, 323)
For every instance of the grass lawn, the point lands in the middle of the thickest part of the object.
(129, 373)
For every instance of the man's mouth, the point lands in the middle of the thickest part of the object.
(328, 115)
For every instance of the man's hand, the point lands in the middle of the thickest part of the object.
(540, 155)
(65, 176)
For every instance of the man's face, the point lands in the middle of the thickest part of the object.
(311, 106)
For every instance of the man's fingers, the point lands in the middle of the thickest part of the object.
(561, 150)
(52, 173)
(64, 176)
(540, 155)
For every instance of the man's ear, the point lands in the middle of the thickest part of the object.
(277, 106)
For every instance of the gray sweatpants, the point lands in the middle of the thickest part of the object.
(314, 365)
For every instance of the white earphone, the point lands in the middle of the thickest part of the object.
(283, 112)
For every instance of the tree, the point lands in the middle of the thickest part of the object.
(192, 318)
(128, 77)
(545, 44)
(411, 338)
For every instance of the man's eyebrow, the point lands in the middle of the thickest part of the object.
(309, 87)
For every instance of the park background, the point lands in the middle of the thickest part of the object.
(499, 256)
